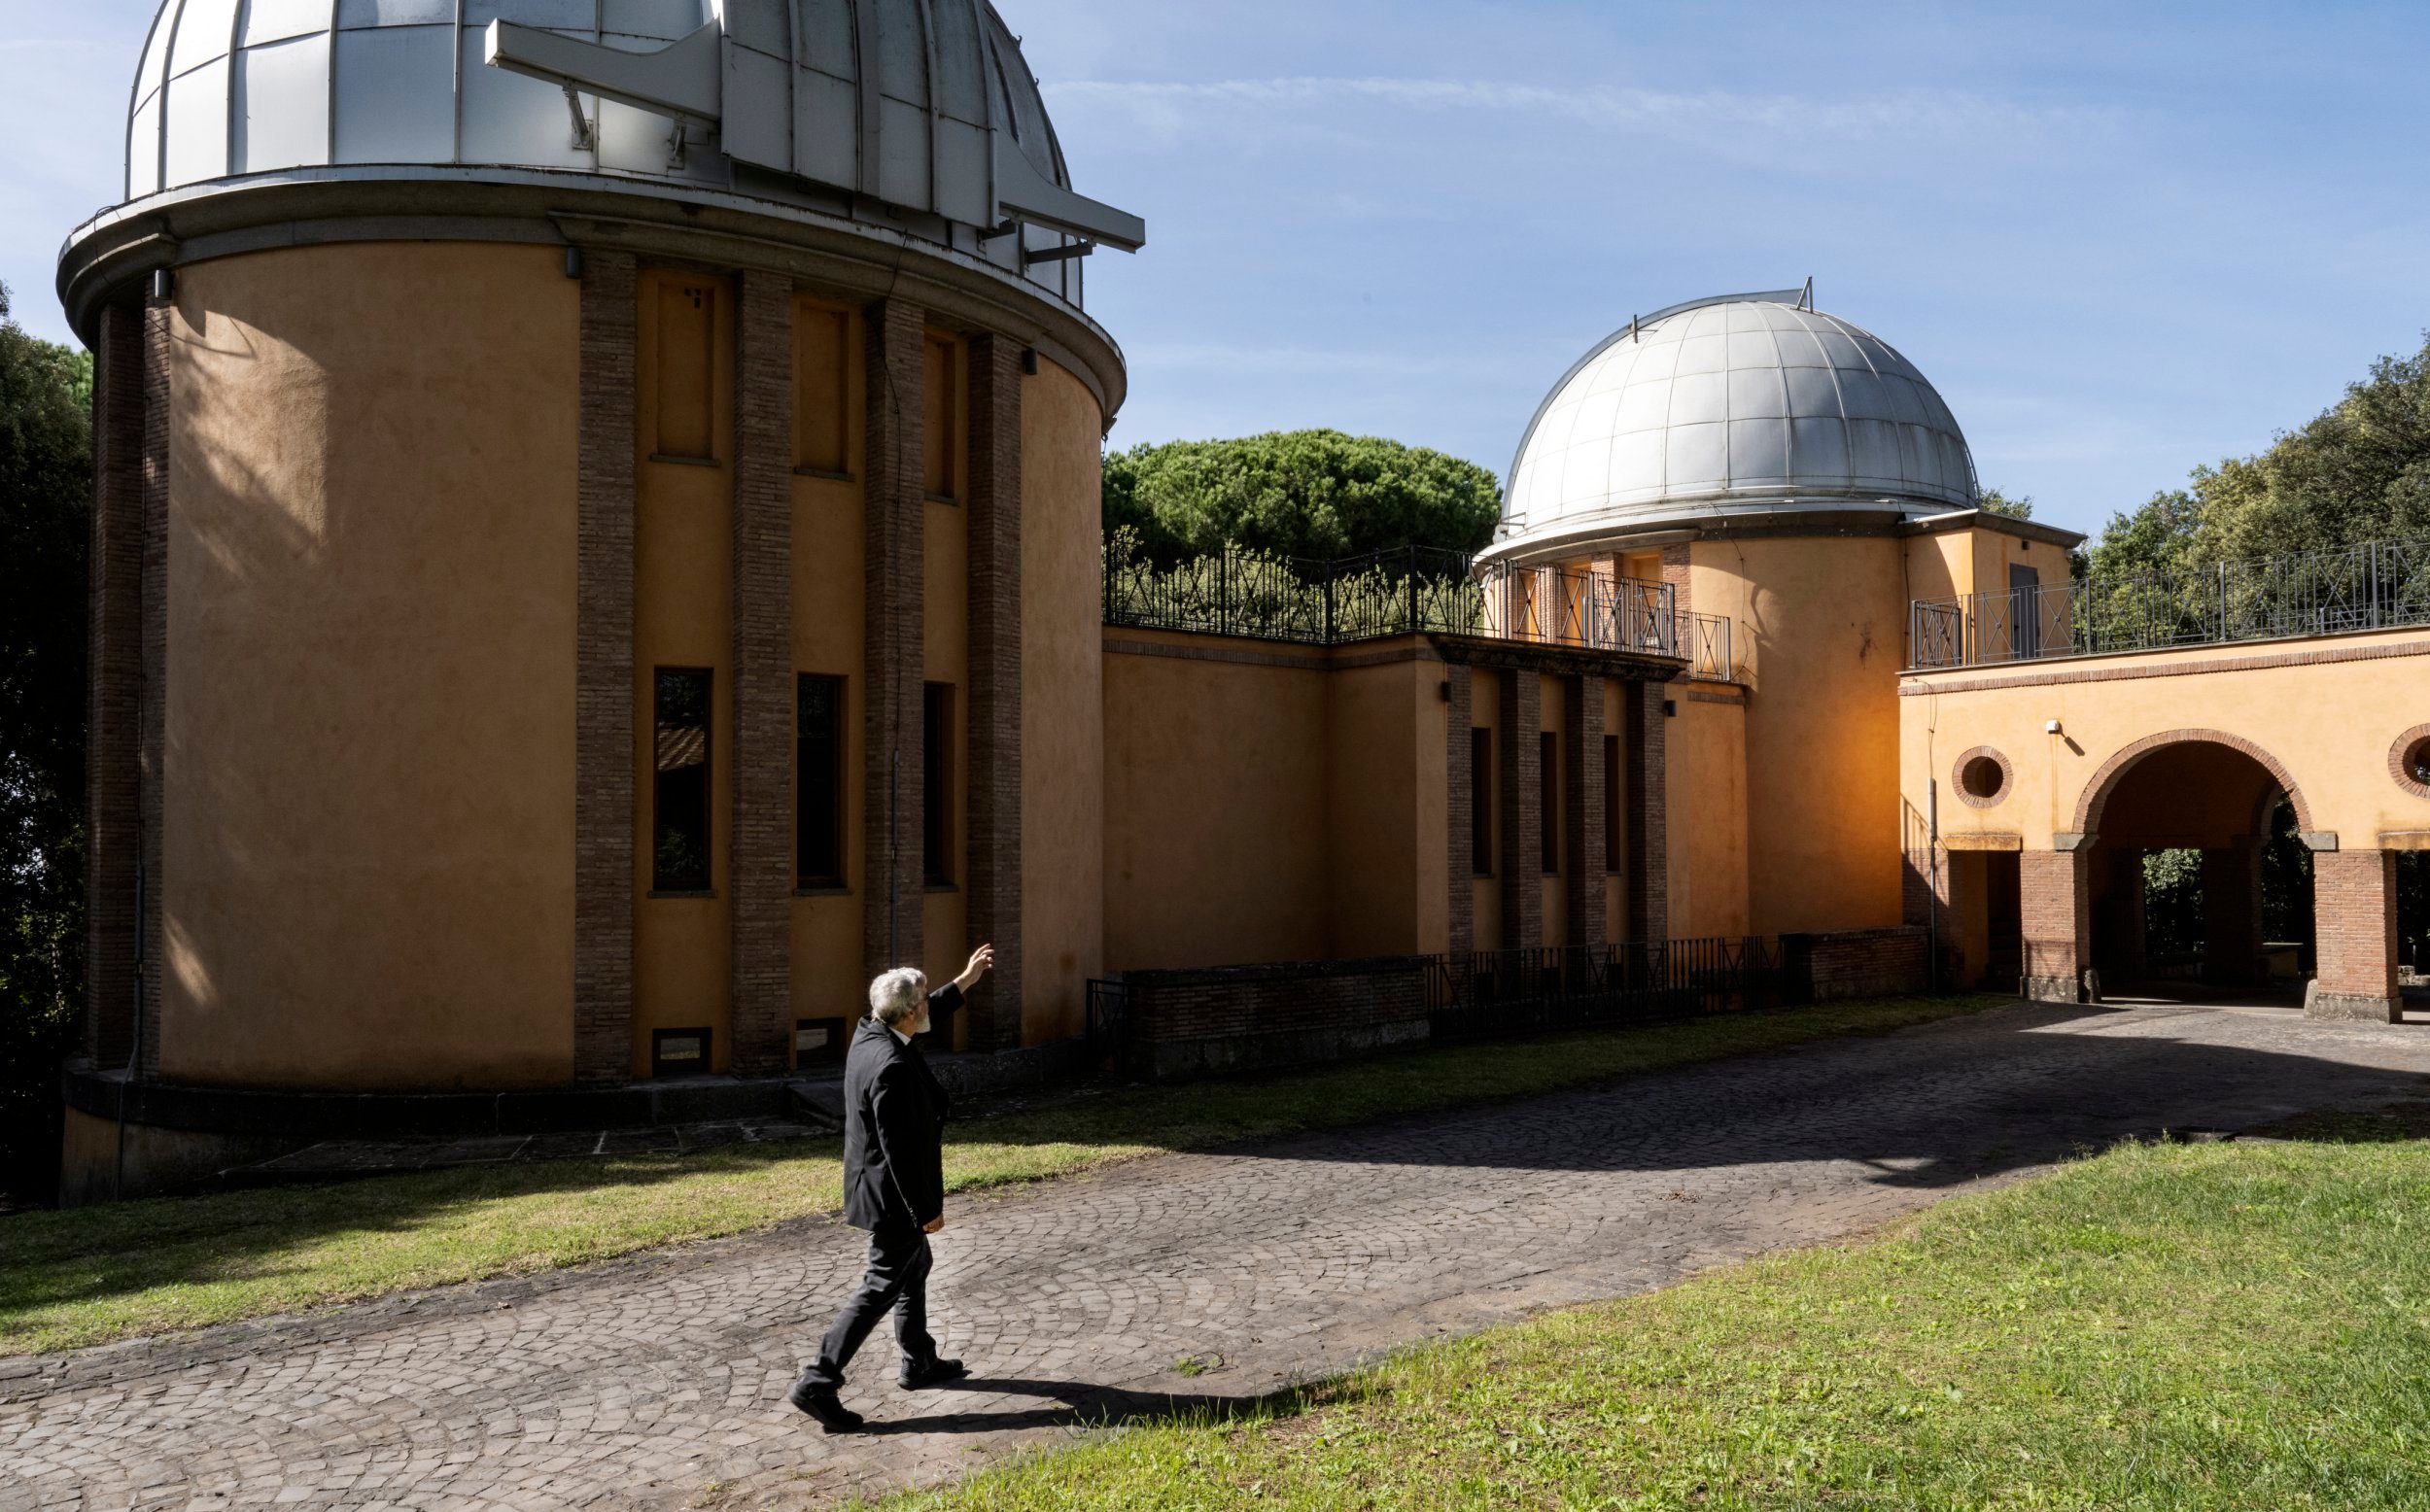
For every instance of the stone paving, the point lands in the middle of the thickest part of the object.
(660, 1382)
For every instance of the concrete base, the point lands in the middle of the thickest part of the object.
(2049, 989)
(95, 1167)
(2351, 1007)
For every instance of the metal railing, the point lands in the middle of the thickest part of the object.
(2383, 585)
(1493, 992)
(1414, 590)
(1109, 1022)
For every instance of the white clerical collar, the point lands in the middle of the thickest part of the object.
(898, 1033)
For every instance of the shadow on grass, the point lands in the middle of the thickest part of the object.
(1083, 1405)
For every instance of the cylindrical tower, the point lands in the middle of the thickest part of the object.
(596, 506)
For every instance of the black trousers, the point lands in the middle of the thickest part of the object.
(897, 1282)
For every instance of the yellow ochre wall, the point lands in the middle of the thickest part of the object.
(684, 616)
(1063, 767)
(1378, 761)
(2331, 724)
(1820, 633)
(368, 870)
(1708, 817)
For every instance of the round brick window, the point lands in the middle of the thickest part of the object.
(2409, 761)
(1983, 777)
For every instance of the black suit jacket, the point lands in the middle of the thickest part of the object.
(894, 1112)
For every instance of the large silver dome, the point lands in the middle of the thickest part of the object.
(1746, 404)
(920, 112)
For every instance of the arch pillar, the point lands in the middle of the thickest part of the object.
(2054, 899)
(2355, 922)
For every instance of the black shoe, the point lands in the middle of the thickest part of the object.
(936, 1372)
(821, 1402)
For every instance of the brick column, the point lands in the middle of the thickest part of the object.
(114, 834)
(761, 869)
(151, 700)
(893, 554)
(1460, 808)
(996, 686)
(1581, 772)
(2231, 916)
(1522, 810)
(605, 814)
(2353, 904)
(2055, 904)
(1674, 574)
(1646, 789)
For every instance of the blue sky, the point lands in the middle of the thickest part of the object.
(2122, 239)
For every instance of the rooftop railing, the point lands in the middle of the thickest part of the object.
(2384, 585)
(1414, 590)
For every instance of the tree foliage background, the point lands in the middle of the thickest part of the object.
(45, 493)
(1297, 494)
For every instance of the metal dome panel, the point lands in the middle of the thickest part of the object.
(1745, 405)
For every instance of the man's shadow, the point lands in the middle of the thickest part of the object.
(1080, 1405)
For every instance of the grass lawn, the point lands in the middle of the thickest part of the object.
(2213, 1327)
(81, 1277)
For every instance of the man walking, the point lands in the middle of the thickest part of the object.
(893, 1186)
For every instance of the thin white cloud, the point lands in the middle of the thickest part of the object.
(1899, 115)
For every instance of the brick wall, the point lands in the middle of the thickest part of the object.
(1646, 789)
(1522, 809)
(2355, 922)
(1198, 1023)
(995, 1010)
(892, 563)
(605, 815)
(2055, 905)
(1582, 774)
(1674, 574)
(1461, 807)
(112, 823)
(760, 868)
(1854, 963)
(151, 700)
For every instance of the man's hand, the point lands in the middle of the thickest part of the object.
(981, 960)
(933, 1224)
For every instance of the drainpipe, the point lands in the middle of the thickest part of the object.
(1932, 899)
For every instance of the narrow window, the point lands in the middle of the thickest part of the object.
(822, 391)
(687, 377)
(936, 839)
(944, 418)
(818, 807)
(1549, 766)
(1481, 801)
(680, 795)
(1612, 803)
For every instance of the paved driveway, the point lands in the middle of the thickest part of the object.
(639, 1383)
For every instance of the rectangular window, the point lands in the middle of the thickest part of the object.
(936, 804)
(819, 803)
(680, 795)
(1481, 801)
(822, 402)
(1549, 766)
(1612, 803)
(687, 371)
(942, 382)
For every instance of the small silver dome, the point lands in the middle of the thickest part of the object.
(923, 107)
(1740, 406)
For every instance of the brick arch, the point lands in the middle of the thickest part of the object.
(2096, 795)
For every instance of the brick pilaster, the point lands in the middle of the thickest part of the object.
(2353, 904)
(996, 686)
(1646, 789)
(152, 703)
(893, 561)
(2055, 909)
(1460, 808)
(605, 818)
(115, 672)
(761, 869)
(1522, 810)
(1674, 574)
(1582, 774)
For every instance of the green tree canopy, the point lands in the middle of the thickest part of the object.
(1298, 492)
(2359, 471)
(46, 490)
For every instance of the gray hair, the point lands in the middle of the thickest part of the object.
(897, 995)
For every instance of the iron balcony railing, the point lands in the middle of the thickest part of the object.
(2383, 585)
(1412, 591)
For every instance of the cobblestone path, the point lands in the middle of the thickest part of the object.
(661, 1382)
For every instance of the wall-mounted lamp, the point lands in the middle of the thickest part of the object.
(163, 285)
(2052, 728)
(1029, 362)
(574, 262)
(1445, 686)
(1670, 708)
